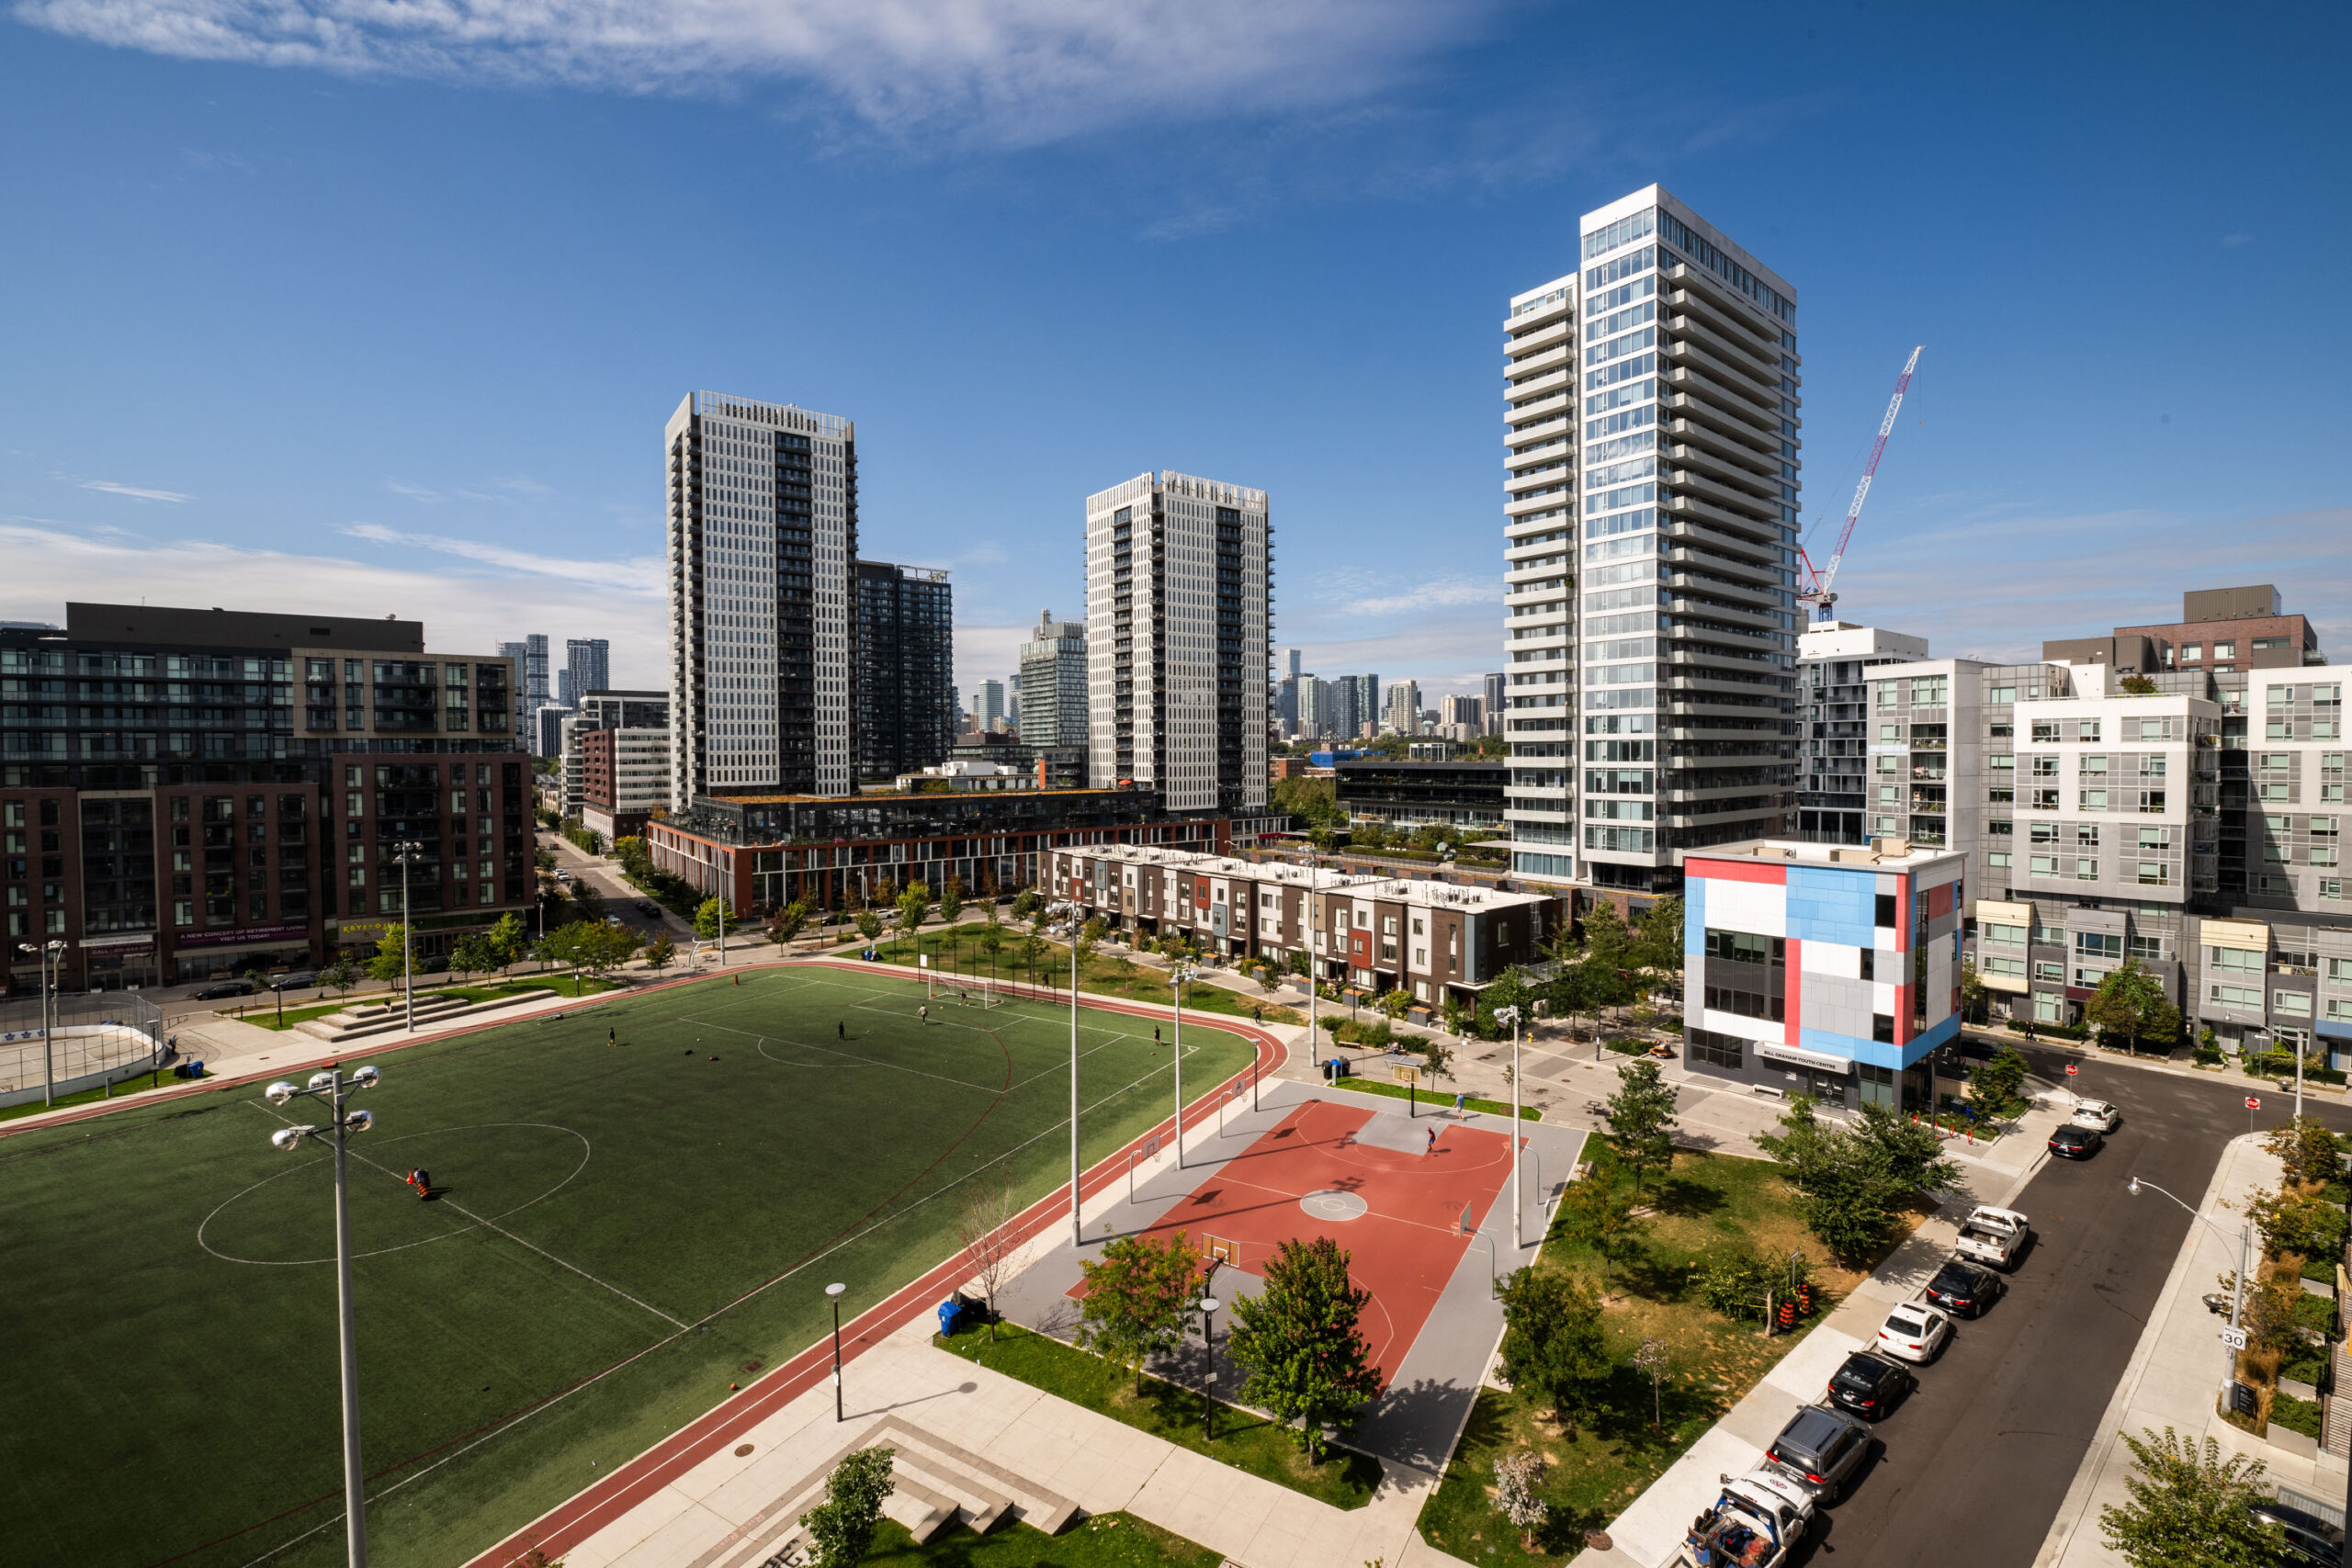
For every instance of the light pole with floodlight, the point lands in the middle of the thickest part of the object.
(331, 1089)
(834, 1293)
(1509, 1018)
(405, 853)
(1177, 973)
(1208, 1364)
(1077, 1226)
(2237, 1281)
(51, 954)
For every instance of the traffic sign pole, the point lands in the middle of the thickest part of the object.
(2252, 1104)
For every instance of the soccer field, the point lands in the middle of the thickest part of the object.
(625, 1231)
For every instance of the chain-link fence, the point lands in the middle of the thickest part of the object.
(93, 1040)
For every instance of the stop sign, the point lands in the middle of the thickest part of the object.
(2253, 1102)
(2072, 1069)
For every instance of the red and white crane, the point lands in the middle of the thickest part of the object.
(1815, 587)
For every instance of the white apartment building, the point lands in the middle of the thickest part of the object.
(1179, 628)
(1653, 456)
(762, 531)
(639, 763)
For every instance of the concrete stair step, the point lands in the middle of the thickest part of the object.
(924, 1512)
(982, 1504)
(1045, 1509)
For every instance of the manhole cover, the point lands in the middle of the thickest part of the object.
(1598, 1541)
(1329, 1204)
(742, 1448)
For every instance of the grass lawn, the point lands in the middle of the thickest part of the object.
(1244, 1440)
(562, 983)
(956, 949)
(623, 1233)
(1431, 1098)
(1106, 1541)
(1708, 1207)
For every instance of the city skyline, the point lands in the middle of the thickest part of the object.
(2163, 456)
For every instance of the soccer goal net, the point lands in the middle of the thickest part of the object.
(976, 991)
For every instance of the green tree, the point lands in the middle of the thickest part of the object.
(571, 947)
(661, 952)
(2298, 1222)
(788, 922)
(1658, 943)
(509, 938)
(1436, 1056)
(1088, 936)
(1394, 1004)
(2188, 1507)
(1641, 1119)
(1598, 1213)
(1509, 989)
(1850, 1185)
(914, 904)
(2137, 686)
(339, 977)
(1909, 1155)
(1972, 989)
(607, 946)
(2308, 1150)
(2132, 1002)
(1026, 902)
(1993, 1088)
(842, 1525)
(951, 899)
(474, 955)
(991, 937)
(1301, 1340)
(1315, 802)
(390, 962)
(1135, 1300)
(869, 924)
(1552, 1338)
(710, 913)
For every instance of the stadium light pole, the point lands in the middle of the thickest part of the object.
(50, 955)
(333, 1090)
(405, 853)
(1178, 973)
(1509, 1018)
(1077, 1228)
(834, 1293)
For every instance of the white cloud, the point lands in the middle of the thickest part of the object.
(462, 612)
(641, 577)
(1018, 71)
(987, 653)
(136, 491)
(2239, 239)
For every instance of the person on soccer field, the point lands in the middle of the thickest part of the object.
(922, 1015)
(1155, 1034)
(612, 1036)
(739, 979)
(842, 1028)
(424, 1183)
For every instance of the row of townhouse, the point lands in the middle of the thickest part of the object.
(2193, 827)
(1438, 941)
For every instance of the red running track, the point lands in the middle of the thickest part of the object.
(1403, 1247)
(574, 1521)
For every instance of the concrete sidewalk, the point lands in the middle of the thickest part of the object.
(2176, 1375)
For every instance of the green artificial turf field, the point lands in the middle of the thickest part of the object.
(624, 1232)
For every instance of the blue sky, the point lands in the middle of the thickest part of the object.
(294, 302)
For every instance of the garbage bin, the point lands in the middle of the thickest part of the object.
(951, 1312)
(1334, 1069)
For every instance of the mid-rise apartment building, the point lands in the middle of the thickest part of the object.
(642, 713)
(1438, 941)
(624, 777)
(1826, 970)
(763, 532)
(1833, 743)
(189, 792)
(1179, 623)
(1653, 458)
(904, 676)
(2221, 631)
(1053, 684)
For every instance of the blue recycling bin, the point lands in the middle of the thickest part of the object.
(951, 1313)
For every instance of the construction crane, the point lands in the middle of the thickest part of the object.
(1815, 586)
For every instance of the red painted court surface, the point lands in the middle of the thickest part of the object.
(1405, 1244)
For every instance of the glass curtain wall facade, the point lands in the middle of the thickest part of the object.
(1654, 456)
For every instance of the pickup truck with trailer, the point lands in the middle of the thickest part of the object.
(1998, 1236)
(1755, 1522)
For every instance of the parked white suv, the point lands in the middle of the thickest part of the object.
(1914, 1332)
(2097, 1114)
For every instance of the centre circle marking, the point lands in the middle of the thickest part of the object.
(1333, 1205)
(585, 1152)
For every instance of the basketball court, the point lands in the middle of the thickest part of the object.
(1426, 1227)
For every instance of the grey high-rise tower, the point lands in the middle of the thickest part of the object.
(1651, 414)
(762, 531)
(1053, 684)
(1179, 618)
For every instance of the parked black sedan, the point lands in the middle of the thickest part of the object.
(1870, 1386)
(2071, 1142)
(220, 988)
(1964, 1289)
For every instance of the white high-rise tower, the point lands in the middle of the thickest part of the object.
(1650, 551)
(1179, 623)
(763, 503)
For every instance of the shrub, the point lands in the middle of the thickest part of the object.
(1734, 1286)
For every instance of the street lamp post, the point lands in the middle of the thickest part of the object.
(405, 853)
(834, 1293)
(331, 1089)
(1313, 963)
(2237, 1282)
(1509, 1018)
(1208, 1365)
(1177, 973)
(51, 954)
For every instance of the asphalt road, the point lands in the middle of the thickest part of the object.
(1976, 1462)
